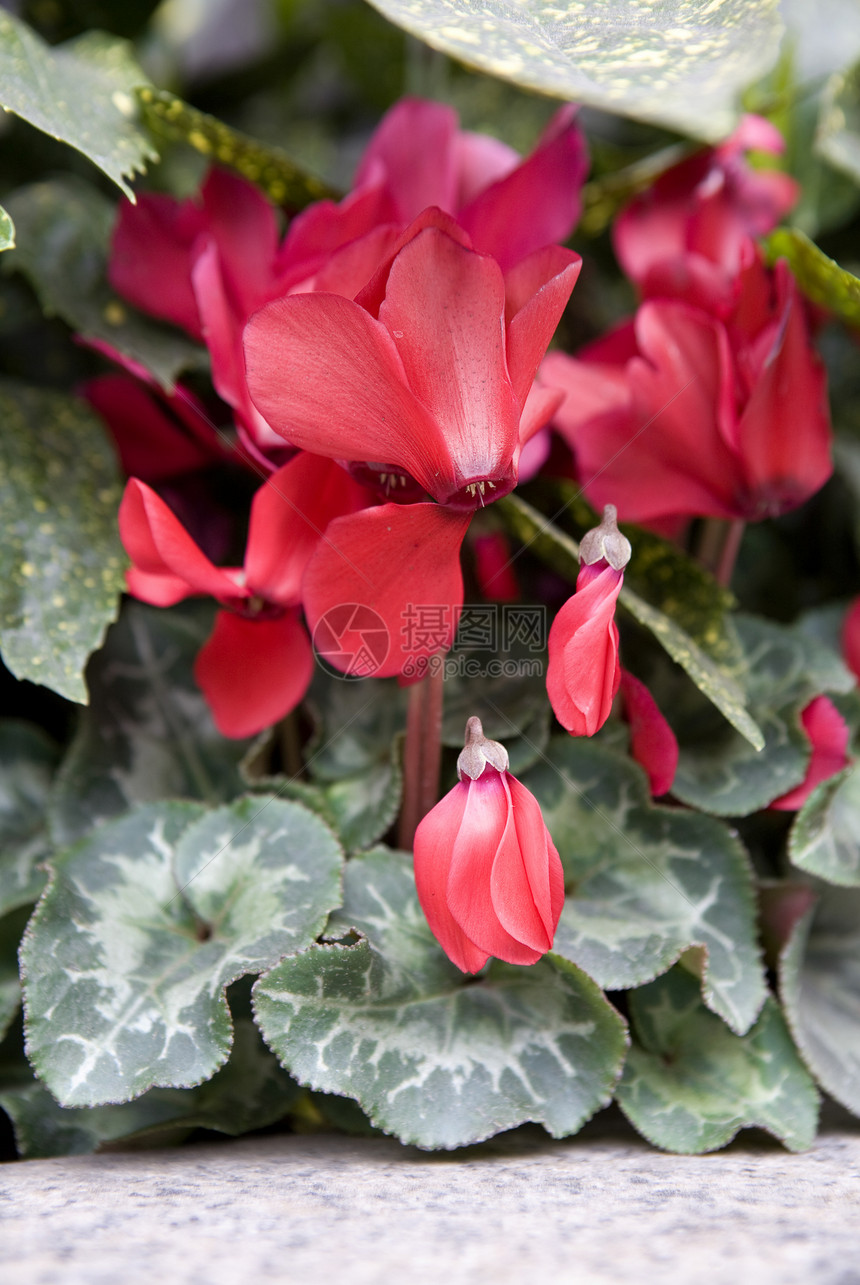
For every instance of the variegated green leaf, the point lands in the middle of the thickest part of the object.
(81, 93)
(11, 930)
(145, 924)
(682, 65)
(7, 230)
(819, 978)
(645, 883)
(61, 561)
(147, 733)
(28, 759)
(689, 1084)
(250, 1092)
(825, 837)
(784, 668)
(64, 254)
(431, 1057)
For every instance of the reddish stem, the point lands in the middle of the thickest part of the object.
(718, 547)
(422, 754)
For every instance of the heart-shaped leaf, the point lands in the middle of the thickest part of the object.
(28, 758)
(145, 924)
(825, 837)
(431, 1057)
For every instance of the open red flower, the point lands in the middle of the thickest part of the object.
(584, 673)
(488, 875)
(681, 414)
(257, 664)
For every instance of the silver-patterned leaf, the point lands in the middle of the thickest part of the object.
(250, 1092)
(61, 561)
(825, 837)
(645, 883)
(819, 978)
(147, 733)
(785, 667)
(7, 230)
(81, 93)
(682, 64)
(690, 1084)
(431, 1057)
(144, 925)
(64, 256)
(28, 758)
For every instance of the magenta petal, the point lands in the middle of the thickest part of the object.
(159, 545)
(413, 148)
(487, 825)
(652, 741)
(401, 564)
(480, 161)
(829, 737)
(327, 377)
(444, 306)
(537, 291)
(289, 517)
(253, 672)
(434, 844)
(150, 258)
(538, 202)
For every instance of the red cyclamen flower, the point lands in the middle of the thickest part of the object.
(488, 875)
(829, 736)
(583, 674)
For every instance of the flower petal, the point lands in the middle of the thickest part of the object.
(150, 257)
(537, 291)
(829, 737)
(253, 672)
(527, 881)
(652, 741)
(434, 844)
(400, 563)
(583, 672)
(158, 544)
(413, 148)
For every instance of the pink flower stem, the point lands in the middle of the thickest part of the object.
(422, 754)
(718, 546)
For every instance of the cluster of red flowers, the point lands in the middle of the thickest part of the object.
(384, 367)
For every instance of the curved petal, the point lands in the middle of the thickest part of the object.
(583, 672)
(289, 516)
(443, 307)
(434, 844)
(480, 160)
(413, 147)
(538, 202)
(158, 544)
(652, 741)
(245, 228)
(536, 291)
(158, 590)
(487, 826)
(253, 672)
(829, 737)
(152, 444)
(150, 257)
(527, 881)
(399, 563)
(327, 377)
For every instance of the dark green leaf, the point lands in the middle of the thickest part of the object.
(81, 93)
(147, 734)
(430, 1057)
(680, 65)
(11, 930)
(146, 923)
(61, 561)
(820, 983)
(250, 1092)
(283, 181)
(825, 837)
(64, 255)
(820, 278)
(28, 758)
(706, 668)
(645, 883)
(785, 667)
(689, 1084)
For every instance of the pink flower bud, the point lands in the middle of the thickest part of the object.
(488, 875)
(583, 674)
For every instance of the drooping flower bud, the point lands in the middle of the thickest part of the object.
(488, 875)
(583, 674)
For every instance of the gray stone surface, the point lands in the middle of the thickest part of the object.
(599, 1208)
